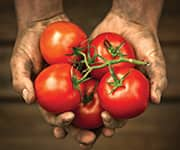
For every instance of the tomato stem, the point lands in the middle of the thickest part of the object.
(114, 51)
(106, 63)
(89, 97)
(88, 61)
(85, 59)
(117, 82)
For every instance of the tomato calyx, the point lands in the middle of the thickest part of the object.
(114, 51)
(76, 51)
(117, 82)
(74, 79)
(75, 82)
(89, 97)
(88, 60)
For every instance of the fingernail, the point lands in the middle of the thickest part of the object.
(107, 132)
(158, 96)
(25, 95)
(67, 119)
(59, 132)
(106, 117)
(86, 137)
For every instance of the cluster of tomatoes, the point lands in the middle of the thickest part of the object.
(89, 77)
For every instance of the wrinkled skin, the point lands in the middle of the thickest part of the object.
(147, 48)
(26, 59)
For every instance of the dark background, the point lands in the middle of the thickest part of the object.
(22, 127)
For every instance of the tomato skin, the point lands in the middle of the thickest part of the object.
(98, 47)
(88, 116)
(58, 39)
(55, 91)
(127, 101)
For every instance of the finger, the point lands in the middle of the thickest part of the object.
(59, 132)
(97, 133)
(61, 120)
(21, 72)
(82, 136)
(148, 48)
(158, 81)
(49, 117)
(64, 119)
(156, 71)
(110, 122)
(108, 132)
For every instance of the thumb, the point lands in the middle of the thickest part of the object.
(21, 76)
(148, 48)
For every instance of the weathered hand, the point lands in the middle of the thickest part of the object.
(27, 61)
(147, 47)
(62, 127)
(111, 125)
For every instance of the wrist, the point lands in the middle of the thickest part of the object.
(41, 23)
(31, 12)
(141, 12)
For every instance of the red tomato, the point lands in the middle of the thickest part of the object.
(58, 39)
(88, 115)
(98, 47)
(54, 88)
(127, 101)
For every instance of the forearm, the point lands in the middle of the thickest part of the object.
(29, 11)
(139, 11)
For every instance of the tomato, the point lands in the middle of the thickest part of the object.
(58, 39)
(54, 88)
(88, 113)
(98, 47)
(128, 100)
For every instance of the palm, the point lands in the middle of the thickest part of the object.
(27, 59)
(146, 45)
(147, 48)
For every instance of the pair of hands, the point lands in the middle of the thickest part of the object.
(27, 61)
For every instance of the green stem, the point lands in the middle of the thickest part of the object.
(85, 76)
(114, 51)
(111, 70)
(89, 97)
(129, 60)
(85, 59)
(106, 63)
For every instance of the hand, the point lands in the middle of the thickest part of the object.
(146, 45)
(147, 48)
(27, 60)
(62, 126)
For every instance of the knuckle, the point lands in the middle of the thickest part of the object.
(49, 120)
